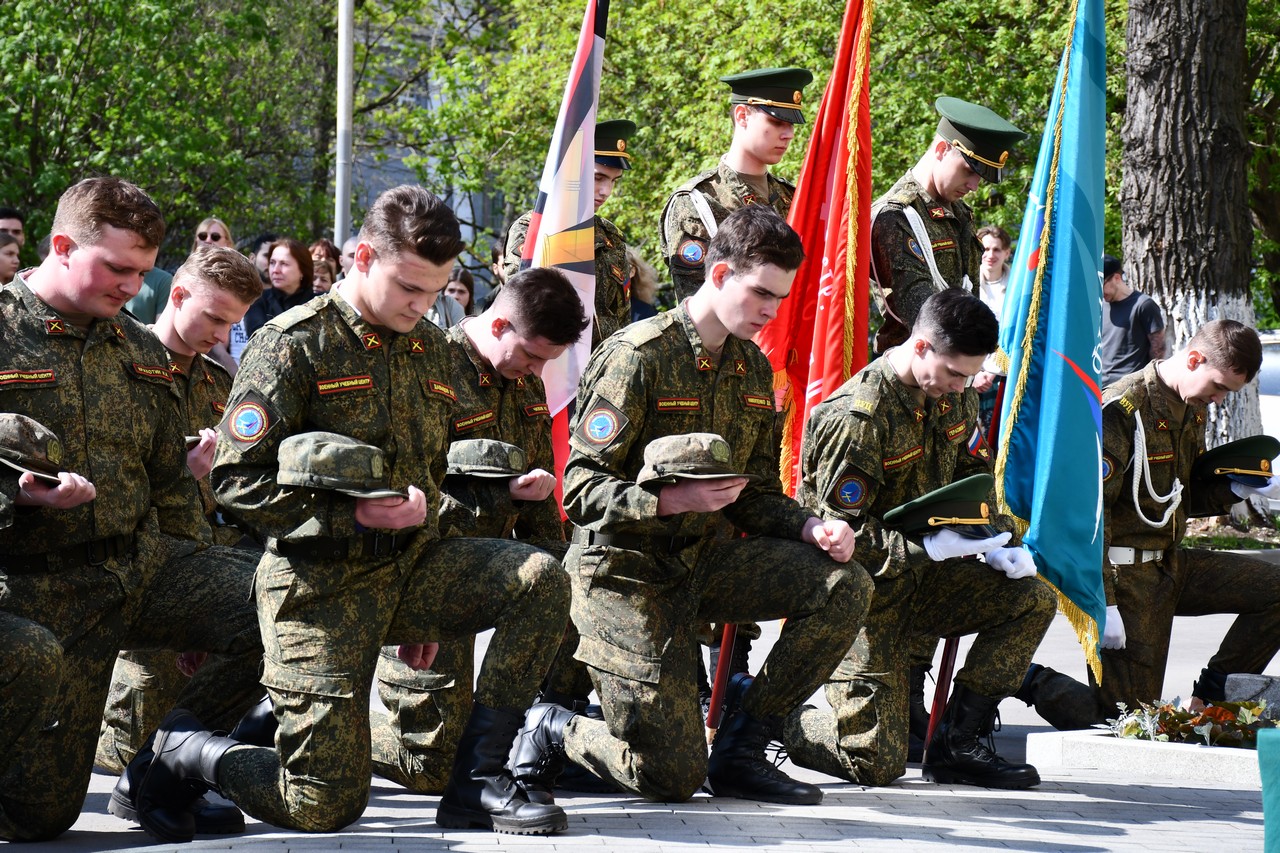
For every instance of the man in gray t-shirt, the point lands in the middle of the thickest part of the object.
(1132, 325)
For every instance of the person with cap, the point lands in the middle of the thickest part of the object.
(922, 233)
(345, 575)
(903, 428)
(651, 560)
(121, 560)
(765, 107)
(1156, 474)
(613, 272)
(1132, 325)
(499, 484)
(212, 290)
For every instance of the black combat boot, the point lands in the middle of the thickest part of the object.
(1027, 692)
(917, 715)
(258, 725)
(481, 793)
(209, 819)
(738, 766)
(184, 766)
(957, 757)
(1210, 687)
(574, 776)
(538, 757)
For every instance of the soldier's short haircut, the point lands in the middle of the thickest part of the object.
(958, 323)
(541, 303)
(1229, 345)
(407, 218)
(87, 207)
(753, 236)
(221, 268)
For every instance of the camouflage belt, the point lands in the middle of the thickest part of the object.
(641, 542)
(363, 545)
(93, 553)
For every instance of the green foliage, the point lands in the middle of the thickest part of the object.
(1217, 724)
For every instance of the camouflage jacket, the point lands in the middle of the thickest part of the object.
(656, 379)
(872, 446)
(108, 394)
(319, 366)
(613, 274)
(898, 261)
(684, 236)
(204, 388)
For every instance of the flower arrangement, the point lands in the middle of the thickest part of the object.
(1218, 724)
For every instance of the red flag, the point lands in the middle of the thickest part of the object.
(819, 338)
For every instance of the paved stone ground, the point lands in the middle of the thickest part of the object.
(1076, 811)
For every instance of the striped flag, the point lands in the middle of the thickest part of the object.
(1049, 468)
(819, 338)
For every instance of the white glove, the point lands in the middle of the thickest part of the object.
(1016, 562)
(1271, 490)
(1113, 629)
(946, 544)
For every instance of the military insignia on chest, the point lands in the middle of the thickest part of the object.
(371, 340)
(55, 326)
(176, 369)
(903, 458)
(1200, 417)
(1162, 424)
(341, 384)
(218, 408)
(119, 330)
(919, 413)
(956, 431)
(151, 371)
(417, 346)
(749, 198)
(937, 212)
(757, 401)
(26, 377)
(978, 445)
(739, 367)
(704, 362)
(444, 390)
(520, 382)
(486, 380)
(945, 243)
(1160, 457)
(537, 409)
(944, 406)
(678, 404)
(471, 422)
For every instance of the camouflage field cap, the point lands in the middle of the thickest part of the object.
(486, 457)
(777, 91)
(693, 455)
(327, 460)
(29, 446)
(960, 506)
(1247, 460)
(982, 137)
(612, 139)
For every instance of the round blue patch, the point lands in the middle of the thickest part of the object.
(248, 421)
(602, 426)
(690, 252)
(915, 248)
(850, 492)
(1106, 469)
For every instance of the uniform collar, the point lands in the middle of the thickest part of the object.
(55, 326)
(371, 339)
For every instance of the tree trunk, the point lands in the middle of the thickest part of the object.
(1184, 195)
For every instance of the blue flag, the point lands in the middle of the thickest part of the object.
(1049, 468)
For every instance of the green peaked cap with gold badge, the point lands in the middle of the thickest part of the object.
(1248, 461)
(960, 506)
(692, 455)
(612, 140)
(29, 446)
(327, 460)
(486, 457)
(777, 91)
(982, 137)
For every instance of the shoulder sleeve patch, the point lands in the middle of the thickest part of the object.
(601, 424)
(249, 420)
(691, 253)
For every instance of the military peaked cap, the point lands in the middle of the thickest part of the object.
(611, 143)
(960, 506)
(777, 91)
(1247, 460)
(982, 137)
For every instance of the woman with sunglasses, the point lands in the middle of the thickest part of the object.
(212, 231)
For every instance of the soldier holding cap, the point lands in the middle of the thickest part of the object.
(345, 575)
(613, 270)
(499, 484)
(765, 106)
(133, 570)
(894, 452)
(652, 560)
(1153, 434)
(922, 234)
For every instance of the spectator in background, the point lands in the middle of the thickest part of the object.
(324, 248)
(291, 273)
(13, 223)
(993, 280)
(212, 232)
(326, 274)
(348, 259)
(9, 261)
(261, 253)
(461, 288)
(644, 286)
(1132, 325)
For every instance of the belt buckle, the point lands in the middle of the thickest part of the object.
(91, 549)
(384, 544)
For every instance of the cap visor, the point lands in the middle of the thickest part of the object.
(750, 478)
(39, 475)
(1253, 481)
(782, 114)
(492, 475)
(974, 531)
(373, 493)
(614, 162)
(990, 174)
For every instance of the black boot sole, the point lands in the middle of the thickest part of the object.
(807, 799)
(947, 776)
(450, 817)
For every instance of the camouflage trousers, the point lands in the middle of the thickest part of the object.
(865, 740)
(1187, 582)
(194, 601)
(639, 615)
(323, 627)
(30, 676)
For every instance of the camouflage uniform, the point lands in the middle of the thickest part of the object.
(415, 745)
(132, 568)
(684, 235)
(330, 595)
(642, 584)
(1183, 582)
(145, 685)
(871, 446)
(613, 274)
(899, 261)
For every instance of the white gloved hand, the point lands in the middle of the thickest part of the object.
(1113, 629)
(1270, 491)
(946, 544)
(1016, 562)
